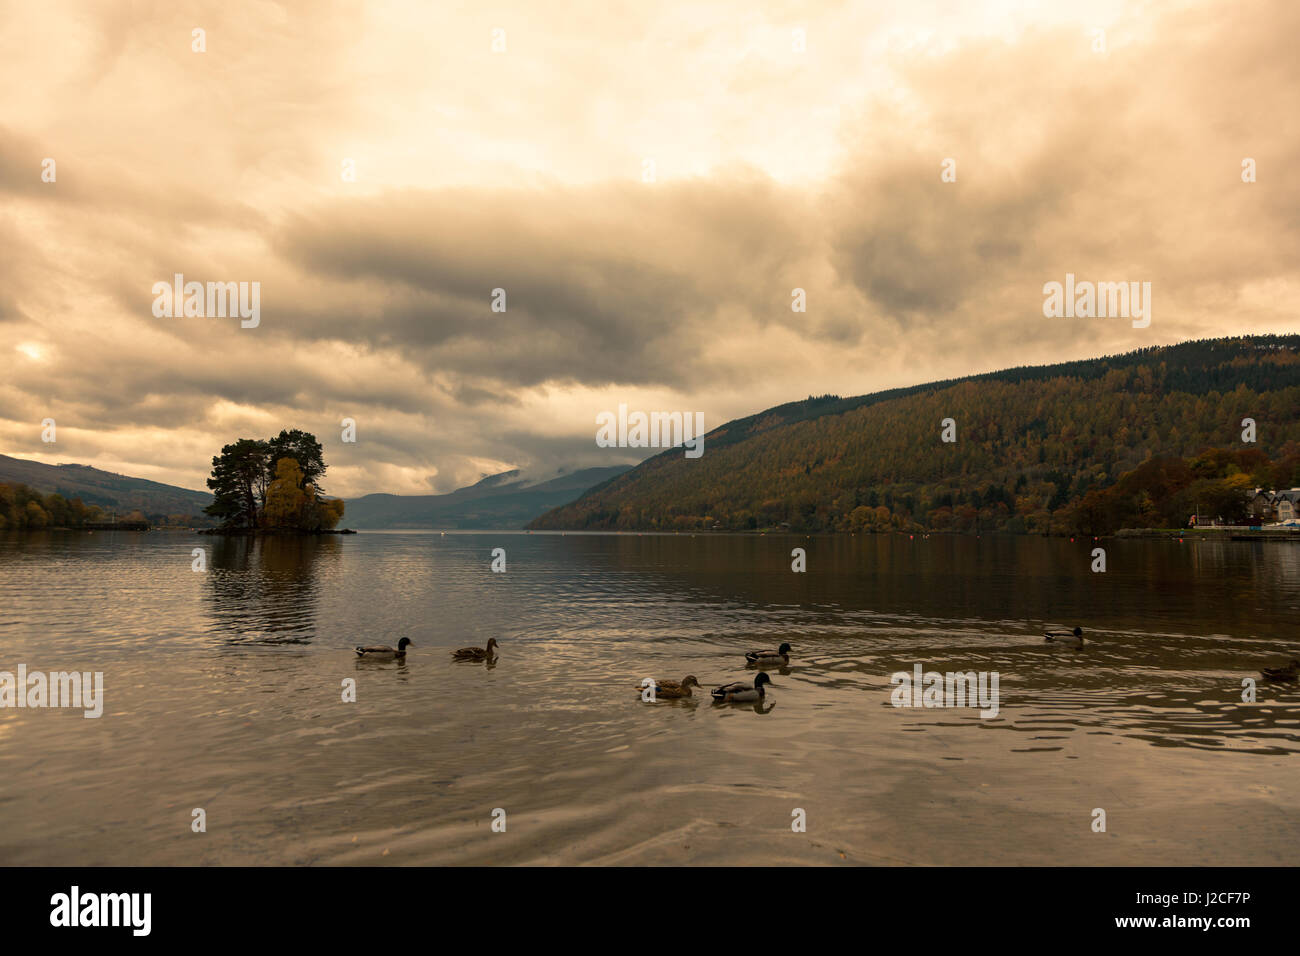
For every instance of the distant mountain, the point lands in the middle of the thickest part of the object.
(1031, 444)
(112, 492)
(499, 502)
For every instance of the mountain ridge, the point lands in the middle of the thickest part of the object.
(492, 503)
(1066, 429)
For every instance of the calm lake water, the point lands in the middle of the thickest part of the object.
(223, 691)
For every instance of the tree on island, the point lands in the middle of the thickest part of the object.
(303, 448)
(272, 485)
(238, 483)
(293, 503)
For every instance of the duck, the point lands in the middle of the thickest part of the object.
(674, 690)
(476, 653)
(382, 652)
(1062, 635)
(742, 692)
(778, 657)
(1286, 674)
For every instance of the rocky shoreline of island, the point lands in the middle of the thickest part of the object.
(274, 532)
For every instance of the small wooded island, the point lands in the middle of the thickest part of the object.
(272, 487)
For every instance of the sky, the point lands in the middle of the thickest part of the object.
(647, 182)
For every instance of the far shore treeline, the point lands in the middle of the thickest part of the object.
(1141, 440)
(272, 486)
(26, 509)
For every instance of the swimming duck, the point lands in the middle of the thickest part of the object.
(1286, 675)
(674, 690)
(776, 658)
(741, 692)
(382, 652)
(476, 653)
(1061, 635)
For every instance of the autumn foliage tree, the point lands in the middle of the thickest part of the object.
(22, 507)
(273, 485)
(293, 503)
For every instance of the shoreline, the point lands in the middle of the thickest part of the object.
(1218, 534)
(270, 533)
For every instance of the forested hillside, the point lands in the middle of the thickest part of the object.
(113, 494)
(1031, 445)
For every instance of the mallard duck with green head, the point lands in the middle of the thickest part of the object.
(777, 658)
(382, 652)
(1063, 635)
(742, 692)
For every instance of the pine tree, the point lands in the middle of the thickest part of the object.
(238, 474)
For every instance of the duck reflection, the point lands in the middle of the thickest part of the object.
(400, 668)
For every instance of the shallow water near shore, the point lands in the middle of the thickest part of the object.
(223, 692)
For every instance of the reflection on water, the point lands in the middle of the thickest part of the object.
(266, 590)
(224, 690)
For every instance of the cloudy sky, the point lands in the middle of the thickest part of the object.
(1116, 156)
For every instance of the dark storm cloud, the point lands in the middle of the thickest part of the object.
(376, 295)
(1119, 166)
(603, 285)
